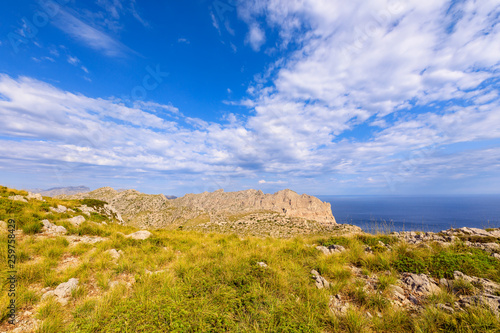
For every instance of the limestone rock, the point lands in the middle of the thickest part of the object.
(320, 281)
(77, 220)
(52, 228)
(419, 283)
(59, 209)
(114, 254)
(141, 234)
(63, 291)
(148, 211)
(488, 286)
(262, 264)
(36, 196)
(490, 301)
(338, 306)
(18, 198)
(330, 249)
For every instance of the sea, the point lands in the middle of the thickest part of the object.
(416, 213)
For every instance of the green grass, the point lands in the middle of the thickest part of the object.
(210, 282)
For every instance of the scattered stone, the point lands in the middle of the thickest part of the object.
(368, 249)
(36, 196)
(63, 291)
(487, 286)
(445, 308)
(52, 228)
(59, 209)
(330, 249)
(77, 220)
(490, 301)
(323, 249)
(47, 224)
(337, 305)
(18, 198)
(114, 254)
(141, 234)
(262, 264)
(320, 281)
(496, 255)
(420, 284)
(155, 272)
(336, 248)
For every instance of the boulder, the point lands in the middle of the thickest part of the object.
(36, 196)
(77, 220)
(141, 234)
(18, 198)
(419, 283)
(63, 291)
(59, 209)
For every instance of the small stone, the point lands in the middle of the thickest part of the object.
(445, 308)
(114, 254)
(59, 209)
(262, 264)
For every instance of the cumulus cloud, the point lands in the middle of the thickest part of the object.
(374, 93)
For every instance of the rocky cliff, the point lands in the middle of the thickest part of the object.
(214, 208)
(286, 202)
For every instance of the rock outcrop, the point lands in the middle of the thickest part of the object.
(286, 201)
(219, 208)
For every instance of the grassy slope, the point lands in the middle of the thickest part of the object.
(212, 282)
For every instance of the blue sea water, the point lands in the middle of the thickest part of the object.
(416, 213)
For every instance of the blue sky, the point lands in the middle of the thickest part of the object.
(320, 96)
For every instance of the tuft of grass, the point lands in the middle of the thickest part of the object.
(32, 228)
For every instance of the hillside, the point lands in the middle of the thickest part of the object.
(79, 269)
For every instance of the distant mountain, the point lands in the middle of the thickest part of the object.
(52, 192)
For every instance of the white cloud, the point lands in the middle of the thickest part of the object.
(183, 40)
(90, 36)
(73, 60)
(256, 37)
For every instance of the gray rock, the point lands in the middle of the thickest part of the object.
(496, 255)
(47, 224)
(323, 249)
(59, 209)
(141, 234)
(445, 308)
(262, 264)
(63, 291)
(114, 254)
(490, 301)
(59, 229)
(36, 196)
(489, 286)
(420, 284)
(320, 281)
(18, 198)
(336, 248)
(338, 306)
(77, 220)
